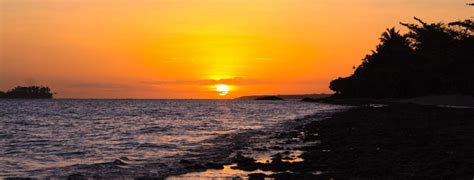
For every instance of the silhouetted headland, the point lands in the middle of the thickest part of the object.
(270, 98)
(287, 96)
(30, 92)
(432, 58)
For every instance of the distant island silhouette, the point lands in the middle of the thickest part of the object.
(430, 59)
(30, 92)
(270, 98)
(287, 96)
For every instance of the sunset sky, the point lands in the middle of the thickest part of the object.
(184, 48)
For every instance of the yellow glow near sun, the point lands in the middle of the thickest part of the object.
(222, 89)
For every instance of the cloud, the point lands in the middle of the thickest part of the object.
(236, 80)
(233, 81)
(93, 85)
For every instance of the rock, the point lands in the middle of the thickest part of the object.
(239, 158)
(257, 176)
(214, 166)
(75, 176)
(270, 98)
(245, 163)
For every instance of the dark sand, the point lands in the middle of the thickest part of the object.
(398, 141)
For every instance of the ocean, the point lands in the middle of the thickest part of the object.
(130, 138)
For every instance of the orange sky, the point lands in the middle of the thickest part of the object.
(182, 48)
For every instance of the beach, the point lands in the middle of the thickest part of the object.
(395, 141)
(363, 140)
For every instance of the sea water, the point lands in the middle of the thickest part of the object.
(41, 138)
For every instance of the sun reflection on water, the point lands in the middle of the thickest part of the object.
(223, 174)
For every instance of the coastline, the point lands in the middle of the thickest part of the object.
(258, 144)
(397, 140)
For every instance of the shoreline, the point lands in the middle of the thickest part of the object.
(398, 140)
(258, 144)
(394, 140)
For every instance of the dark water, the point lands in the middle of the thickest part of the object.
(38, 137)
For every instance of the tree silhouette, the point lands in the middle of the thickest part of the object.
(430, 59)
(32, 92)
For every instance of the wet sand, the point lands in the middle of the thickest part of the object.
(398, 141)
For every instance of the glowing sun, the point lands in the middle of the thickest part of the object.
(222, 89)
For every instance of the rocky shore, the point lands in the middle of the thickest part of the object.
(393, 141)
(396, 141)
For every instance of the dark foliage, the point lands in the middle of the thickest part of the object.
(430, 59)
(31, 92)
